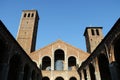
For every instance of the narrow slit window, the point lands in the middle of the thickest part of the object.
(28, 14)
(32, 15)
(97, 31)
(93, 33)
(25, 15)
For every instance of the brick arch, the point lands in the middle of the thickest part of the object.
(45, 78)
(14, 67)
(59, 58)
(59, 78)
(46, 63)
(71, 62)
(73, 78)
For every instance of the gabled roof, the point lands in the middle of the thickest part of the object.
(61, 42)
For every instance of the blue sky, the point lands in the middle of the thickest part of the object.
(62, 19)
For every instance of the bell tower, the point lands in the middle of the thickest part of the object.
(93, 36)
(27, 32)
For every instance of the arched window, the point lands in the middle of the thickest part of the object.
(25, 15)
(73, 78)
(97, 31)
(92, 71)
(46, 63)
(104, 67)
(92, 31)
(45, 78)
(71, 62)
(28, 14)
(32, 15)
(59, 59)
(59, 78)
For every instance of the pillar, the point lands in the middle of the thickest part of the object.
(82, 75)
(88, 73)
(97, 72)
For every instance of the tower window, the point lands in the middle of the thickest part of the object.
(25, 15)
(32, 15)
(97, 31)
(93, 33)
(28, 14)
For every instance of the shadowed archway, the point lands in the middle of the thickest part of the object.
(104, 67)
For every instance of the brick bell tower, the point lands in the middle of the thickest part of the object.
(27, 32)
(93, 36)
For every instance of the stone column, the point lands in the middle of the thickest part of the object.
(88, 73)
(97, 72)
(3, 71)
(82, 75)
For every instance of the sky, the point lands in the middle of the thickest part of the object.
(62, 19)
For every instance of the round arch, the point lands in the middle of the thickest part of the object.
(59, 78)
(73, 78)
(45, 78)
(59, 57)
(46, 63)
(104, 67)
(71, 62)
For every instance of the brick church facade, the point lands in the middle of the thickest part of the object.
(59, 60)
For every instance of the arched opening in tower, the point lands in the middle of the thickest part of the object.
(92, 71)
(104, 67)
(59, 59)
(71, 62)
(46, 63)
